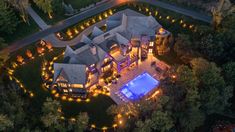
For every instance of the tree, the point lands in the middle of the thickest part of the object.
(45, 6)
(211, 47)
(183, 45)
(21, 6)
(213, 91)
(162, 121)
(5, 123)
(8, 19)
(229, 73)
(224, 8)
(3, 54)
(143, 126)
(52, 114)
(182, 91)
(12, 105)
(80, 123)
(57, 7)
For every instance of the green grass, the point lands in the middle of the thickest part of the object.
(22, 30)
(96, 109)
(45, 17)
(30, 75)
(78, 4)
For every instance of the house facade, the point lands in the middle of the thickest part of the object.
(128, 38)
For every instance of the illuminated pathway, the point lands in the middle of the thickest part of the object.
(98, 9)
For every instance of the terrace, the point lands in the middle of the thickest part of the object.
(150, 65)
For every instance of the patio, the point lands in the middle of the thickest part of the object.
(131, 72)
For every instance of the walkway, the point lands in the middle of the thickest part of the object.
(93, 11)
(37, 18)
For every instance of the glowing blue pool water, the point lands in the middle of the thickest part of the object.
(139, 86)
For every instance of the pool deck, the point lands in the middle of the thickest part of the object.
(133, 71)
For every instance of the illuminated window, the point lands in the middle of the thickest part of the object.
(77, 85)
(106, 60)
(92, 65)
(62, 84)
(65, 90)
(150, 51)
(151, 43)
(70, 90)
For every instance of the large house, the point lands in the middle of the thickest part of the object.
(127, 39)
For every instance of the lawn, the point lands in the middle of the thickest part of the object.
(30, 75)
(22, 30)
(76, 4)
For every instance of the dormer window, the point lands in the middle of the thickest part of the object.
(92, 65)
(151, 43)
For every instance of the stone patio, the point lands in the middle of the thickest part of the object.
(131, 72)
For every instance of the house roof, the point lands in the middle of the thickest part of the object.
(85, 39)
(96, 32)
(73, 73)
(84, 55)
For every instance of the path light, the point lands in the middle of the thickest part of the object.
(114, 125)
(104, 128)
(70, 99)
(69, 33)
(168, 17)
(120, 122)
(191, 26)
(78, 100)
(88, 100)
(173, 20)
(31, 94)
(29, 54)
(20, 59)
(53, 91)
(156, 13)
(105, 15)
(146, 9)
(14, 65)
(181, 21)
(57, 95)
(93, 20)
(110, 12)
(49, 46)
(76, 30)
(40, 50)
(160, 17)
(184, 25)
(63, 97)
(100, 18)
(93, 126)
(82, 27)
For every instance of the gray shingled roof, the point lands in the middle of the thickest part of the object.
(85, 39)
(84, 55)
(96, 32)
(76, 73)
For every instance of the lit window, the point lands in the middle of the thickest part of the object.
(70, 90)
(106, 60)
(92, 65)
(65, 90)
(150, 50)
(151, 43)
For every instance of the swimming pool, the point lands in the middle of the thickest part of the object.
(139, 86)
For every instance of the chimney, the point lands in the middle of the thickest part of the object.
(93, 49)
